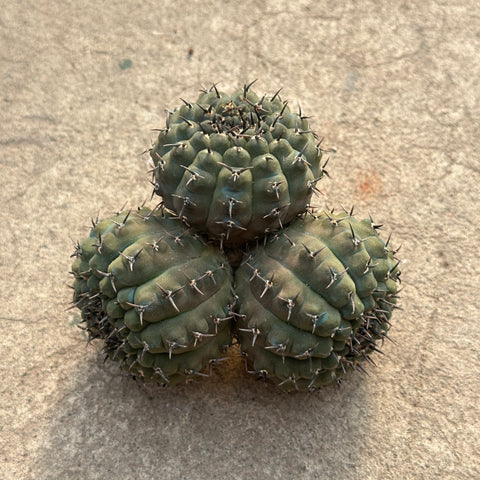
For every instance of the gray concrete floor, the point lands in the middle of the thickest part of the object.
(393, 85)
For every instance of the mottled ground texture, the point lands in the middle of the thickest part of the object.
(392, 85)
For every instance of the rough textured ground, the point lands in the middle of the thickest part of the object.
(393, 85)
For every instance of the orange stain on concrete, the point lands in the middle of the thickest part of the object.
(368, 185)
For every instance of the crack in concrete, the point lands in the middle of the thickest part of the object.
(20, 141)
(449, 155)
(19, 320)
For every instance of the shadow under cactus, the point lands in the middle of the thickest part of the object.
(224, 426)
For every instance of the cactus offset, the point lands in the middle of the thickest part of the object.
(158, 295)
(315, 300)
(236, 166)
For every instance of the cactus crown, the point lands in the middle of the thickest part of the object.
(236, 167)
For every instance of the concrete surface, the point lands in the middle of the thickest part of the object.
(393, 85)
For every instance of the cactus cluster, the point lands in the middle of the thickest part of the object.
(313, 293)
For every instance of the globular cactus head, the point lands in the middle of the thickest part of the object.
(158, 296)
(238, 166)
(316, 300)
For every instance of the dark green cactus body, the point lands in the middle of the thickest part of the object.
(315, 300)
(236, 166)
(158, 295)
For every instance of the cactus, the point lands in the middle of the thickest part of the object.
(236, 167)
(315, 300)
(311, 302)
(158, 296)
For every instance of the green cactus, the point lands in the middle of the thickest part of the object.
(312, 301)
(236, 166)
(315, 300)
(158, 296)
